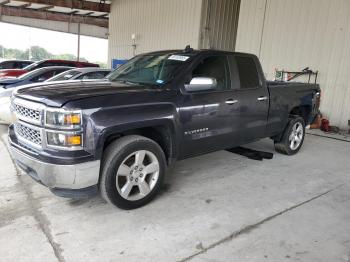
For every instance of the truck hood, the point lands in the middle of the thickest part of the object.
(12, 72)
(56, 94)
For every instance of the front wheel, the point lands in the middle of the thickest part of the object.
(133, 169)
(292, 138)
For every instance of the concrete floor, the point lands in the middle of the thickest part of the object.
(217, 207)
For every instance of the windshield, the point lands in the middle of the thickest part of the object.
(31, 66)
(65, 76)
(28, 75)
(154, 69)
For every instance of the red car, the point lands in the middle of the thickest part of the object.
(44, 63)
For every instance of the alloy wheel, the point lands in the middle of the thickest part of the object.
(137, 175)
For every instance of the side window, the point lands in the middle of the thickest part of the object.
(215, 67)
(58, 71)
(24, 64)
(7, 65)
(247, 71)
(17, 65)
(70, 64)
(93, 75)
(45, 64)
(43, 76)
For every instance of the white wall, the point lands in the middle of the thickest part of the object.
(293, 34)
(158, 24)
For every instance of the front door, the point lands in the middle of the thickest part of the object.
(206, 116)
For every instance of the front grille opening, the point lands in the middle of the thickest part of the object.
(27, 112)
(29, 134)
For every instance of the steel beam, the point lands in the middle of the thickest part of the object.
(74, 4)
(53, 16)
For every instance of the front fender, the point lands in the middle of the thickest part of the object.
(113, 121)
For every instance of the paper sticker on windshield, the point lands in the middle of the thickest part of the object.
(178, 57)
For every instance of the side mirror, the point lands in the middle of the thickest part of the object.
(41, 79)
(201, 84)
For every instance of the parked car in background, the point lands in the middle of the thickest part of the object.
(36, 76)
(15, 64)
(81, 74)
(7, 85)
(44, 63)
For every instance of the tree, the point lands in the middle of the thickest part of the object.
(2, 51)
(38, 53)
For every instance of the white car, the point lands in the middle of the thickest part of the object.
(5, 103)
(87, 73)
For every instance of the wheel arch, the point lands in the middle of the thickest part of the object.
(303, 111)
(162, 133)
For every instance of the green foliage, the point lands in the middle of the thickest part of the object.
(102, 65)
(38, 53)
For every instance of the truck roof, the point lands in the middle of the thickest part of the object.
(196, 52)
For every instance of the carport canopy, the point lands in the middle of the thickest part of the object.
(86, 17)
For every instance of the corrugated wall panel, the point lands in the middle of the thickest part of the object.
(250, 25)
(158, 24)
(294, 34)
(219, 24)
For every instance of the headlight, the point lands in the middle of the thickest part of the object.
(67, 140)
(63, 119)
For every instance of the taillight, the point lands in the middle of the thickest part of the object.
(318, 98)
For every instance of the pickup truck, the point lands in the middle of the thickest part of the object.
(118, 136)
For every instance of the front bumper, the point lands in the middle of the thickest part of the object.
(77, 176)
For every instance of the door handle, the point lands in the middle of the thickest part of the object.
(263, 98)
(231, 101)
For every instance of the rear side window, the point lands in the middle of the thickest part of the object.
(248, 74)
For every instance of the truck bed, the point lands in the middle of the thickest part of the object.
(284, 96)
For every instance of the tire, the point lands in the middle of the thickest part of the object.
(289, 144)
(133, 170)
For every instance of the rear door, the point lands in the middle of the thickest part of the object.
(252, 97)
(206, 116)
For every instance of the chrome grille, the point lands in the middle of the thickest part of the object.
(27, 112)
(28, 134)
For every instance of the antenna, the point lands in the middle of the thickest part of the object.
(188, 49)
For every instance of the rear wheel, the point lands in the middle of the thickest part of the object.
(133, 169)
(292, 138)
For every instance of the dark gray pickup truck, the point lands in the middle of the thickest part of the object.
(118, 136)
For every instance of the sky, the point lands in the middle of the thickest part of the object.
(22, 37)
